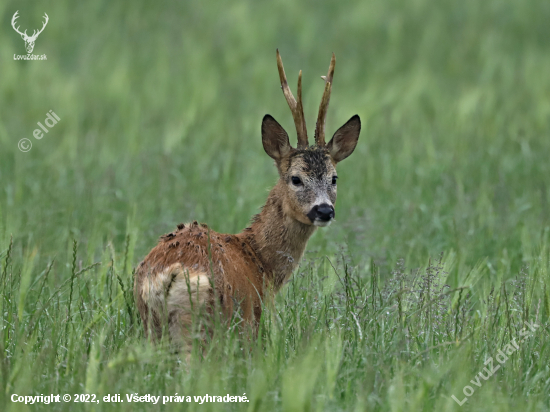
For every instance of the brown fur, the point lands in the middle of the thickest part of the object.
(195, 268)
(243, 267)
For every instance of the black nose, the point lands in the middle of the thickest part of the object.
(323, 212)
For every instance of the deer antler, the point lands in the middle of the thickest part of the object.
(322, 117)
(34, 34)
(296, 107)
(15, 17)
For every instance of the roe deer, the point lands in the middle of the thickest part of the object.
(195, 266)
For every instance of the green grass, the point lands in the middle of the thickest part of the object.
(440, 252)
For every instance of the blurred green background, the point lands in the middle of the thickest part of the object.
(161, 106)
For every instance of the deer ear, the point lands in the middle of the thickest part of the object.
(274, 138)
(345, 139)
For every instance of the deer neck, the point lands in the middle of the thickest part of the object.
(278, 239)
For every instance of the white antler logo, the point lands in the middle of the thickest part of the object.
(29, 40)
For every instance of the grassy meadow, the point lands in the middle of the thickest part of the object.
(441, 248)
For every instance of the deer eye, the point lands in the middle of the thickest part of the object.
(334, 179)
(296, 181)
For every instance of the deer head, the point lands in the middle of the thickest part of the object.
(29, 40)
(307, 174)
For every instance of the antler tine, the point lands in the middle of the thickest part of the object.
(47, 19)
(302, 137)
(14, 18)
(296, 107)
(323, 107)
(35, 35)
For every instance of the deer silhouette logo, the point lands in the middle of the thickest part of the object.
(29, 40)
